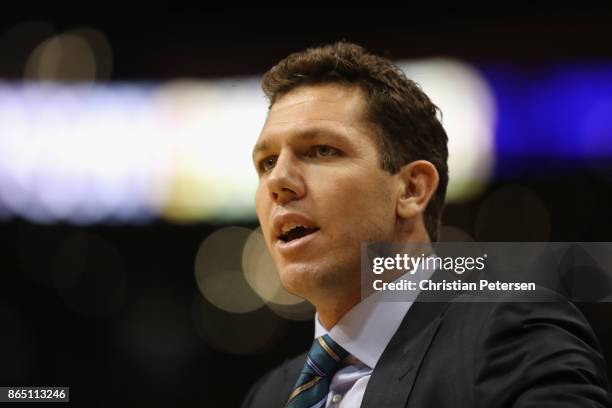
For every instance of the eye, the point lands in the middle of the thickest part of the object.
(267, 164)
(325, 151)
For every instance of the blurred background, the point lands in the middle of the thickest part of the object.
(132, 267)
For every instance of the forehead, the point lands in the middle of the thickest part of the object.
(339, 108)
(329, 100)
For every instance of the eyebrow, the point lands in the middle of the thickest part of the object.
(259, 147)
(306, 134)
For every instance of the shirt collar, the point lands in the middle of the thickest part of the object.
(366, 329)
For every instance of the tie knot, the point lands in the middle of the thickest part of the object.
(325, 356)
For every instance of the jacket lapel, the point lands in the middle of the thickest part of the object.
(393, 377)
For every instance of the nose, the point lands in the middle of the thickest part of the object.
(285, 181)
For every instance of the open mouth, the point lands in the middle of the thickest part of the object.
(296, 233)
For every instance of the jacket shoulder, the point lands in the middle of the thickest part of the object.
(537, 353)
(273, 389)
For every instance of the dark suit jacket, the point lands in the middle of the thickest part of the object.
(460, 354)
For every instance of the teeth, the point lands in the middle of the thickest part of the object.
(289, 226)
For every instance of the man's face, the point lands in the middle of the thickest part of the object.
(321, 190)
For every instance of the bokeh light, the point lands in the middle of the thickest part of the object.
(81, 55)
(236, 333)
(261, 273)
(596, 140)
(214, 125)
(180, 150)
(101, 48)
(177, 152)
(298, 311)
(64, 57)
(218, 271)
(79, 154)
(468, 116)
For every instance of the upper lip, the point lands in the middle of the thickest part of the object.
(282, 219)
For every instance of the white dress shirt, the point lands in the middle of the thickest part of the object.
(364, 331)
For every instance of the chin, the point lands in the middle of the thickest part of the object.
(307, 279)
(298, 279)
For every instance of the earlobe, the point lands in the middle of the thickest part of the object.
(418, 181)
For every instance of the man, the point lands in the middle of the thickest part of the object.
(352, 151)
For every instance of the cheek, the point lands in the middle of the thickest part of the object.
(260, 204)
(262, 208)
(369, 198)
(356, 207)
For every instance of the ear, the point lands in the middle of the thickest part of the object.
(418, 182)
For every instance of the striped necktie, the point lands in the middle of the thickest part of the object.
(322, 362)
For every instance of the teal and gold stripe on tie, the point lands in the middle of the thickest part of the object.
(322, 362)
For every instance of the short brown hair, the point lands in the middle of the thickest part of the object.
(408, 119)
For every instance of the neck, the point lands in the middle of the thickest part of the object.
(331, 312)
(332, 305)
